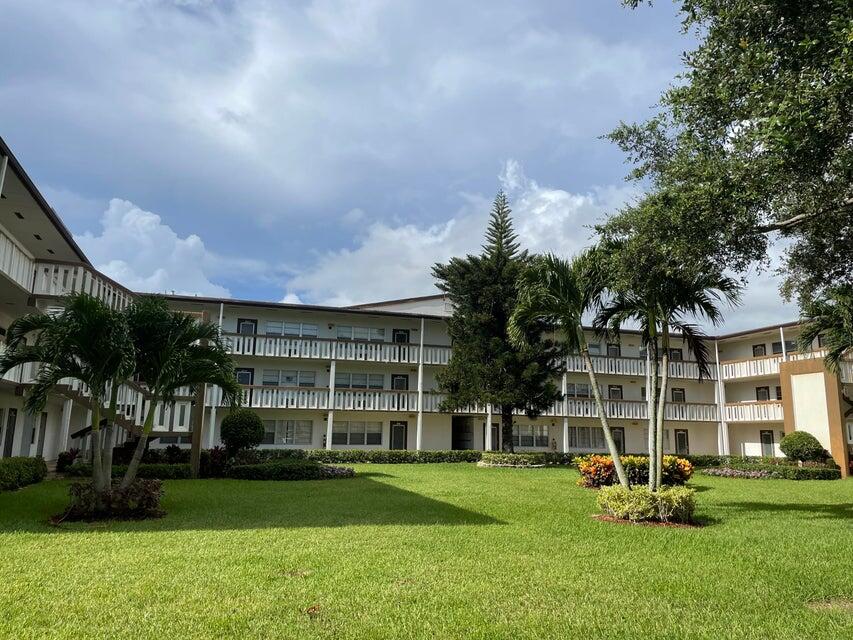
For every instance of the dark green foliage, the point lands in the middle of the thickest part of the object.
(486, 367)
(543, 459)
(754, 137)
(386, 456)
(139, 500)
(157, 470)
(831, 319)
(66, 458)
(803, 446)
(256, 456)
(289, 470)
(213, 463)
(790, 472)
(241, 429)
(19, 472)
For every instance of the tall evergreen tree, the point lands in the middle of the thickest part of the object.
(486, 367)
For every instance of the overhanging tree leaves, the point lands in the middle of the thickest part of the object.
(486, 367)
(755, 139)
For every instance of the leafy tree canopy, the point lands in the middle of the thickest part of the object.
(754, 140)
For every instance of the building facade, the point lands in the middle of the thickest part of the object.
(364, 377)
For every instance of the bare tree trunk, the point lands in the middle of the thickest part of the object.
(97, 468)
(661, 410)
(133, 467)
(651, 400)
(506, 429)
(602, 416)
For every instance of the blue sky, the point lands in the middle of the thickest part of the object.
(328, 151)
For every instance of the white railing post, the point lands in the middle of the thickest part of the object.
(782, 338)
(488, 444)
(330, 419)
(723, 425)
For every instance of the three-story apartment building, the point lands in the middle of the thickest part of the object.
(365, 376)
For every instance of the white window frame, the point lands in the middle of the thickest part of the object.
(357, 432)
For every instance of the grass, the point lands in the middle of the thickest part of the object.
(430, 551)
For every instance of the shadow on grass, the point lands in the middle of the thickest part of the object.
(248, 504)
(839, 511)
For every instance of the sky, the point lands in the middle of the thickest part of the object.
(330, 151)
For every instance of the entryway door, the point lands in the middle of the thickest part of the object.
(766, 437)
(399, 433)
(682, 443)
(462, 432)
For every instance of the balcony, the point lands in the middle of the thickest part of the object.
(57, 279)
(14, 263)
(636, 367)
(762, 367)
(328, 349)
(762, 411)
(317, 398)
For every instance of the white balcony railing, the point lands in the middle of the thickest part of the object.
(327, 349)
(763, 366)
(624, 366)
(57, 279)
(271, 397)
(14, 263)
(764, 411)
(847, 371)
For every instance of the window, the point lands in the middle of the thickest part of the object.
(577, 390)
(820, 340)
(790, 346)
(665, 438)
(614, 350)
(245, 376)
(594, 349)
(759, 350)
(247, 326)
(399, 381)
(357, 432)
(279, 327)
(778, 393)
(530, 435)
(678, 394)
(269, 432)
(377, 335)
(344, 332)
(274, 327)
(676, 355)
(360, 380)
(373, 334)
(289, 378)
(643, 393)
(762, 394)
(586, 438)
(614, 391)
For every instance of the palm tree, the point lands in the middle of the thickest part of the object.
(661, 306)
(559, 292)
(831, 319)
(86, 341)
(174, 350)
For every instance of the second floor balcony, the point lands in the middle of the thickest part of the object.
(636, 367)
(759, 411)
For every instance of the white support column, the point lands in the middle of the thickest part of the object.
(64, 425)
(782, 338)
(720, 392)
(221, 309)
(419, 432)
(330, 420)
(565, 390)
(211, 427)
(4, 164)
(488, 444)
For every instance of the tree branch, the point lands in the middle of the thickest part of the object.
(802, 218)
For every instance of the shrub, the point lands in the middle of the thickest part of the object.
(174, 454)
(289, 470)
(66, 458)
(537, 459)
(638, 504)
(802, 446)
(241, 429)
(598, 471)
(213, 463)
(140, 500)
(394, 456)
(728, 472)
(257, 456)
(779, 471)
(19, 472)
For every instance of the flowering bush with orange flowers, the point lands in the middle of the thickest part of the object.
(597, 470)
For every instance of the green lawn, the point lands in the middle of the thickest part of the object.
(430, 551)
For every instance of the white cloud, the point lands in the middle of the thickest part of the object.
(392, 261)
(135, 248)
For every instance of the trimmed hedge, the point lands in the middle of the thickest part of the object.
(162, 471)
(18, 472)
(537, 459)
(140, 500)
(289, 470)
(790, 472)
(395, 456)
(638, 504)
(598, 470)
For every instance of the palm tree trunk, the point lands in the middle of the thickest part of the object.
(108, 437)
(506, 429)
(97, 469)
(133, 467)
(651, 400)
(602, 416)
(662, 407)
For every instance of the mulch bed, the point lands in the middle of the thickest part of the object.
(647, 523)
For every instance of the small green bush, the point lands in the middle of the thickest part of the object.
(140, 500)
(638, 504)
(66, 458)
(598, 471)
(241, 429)
(534, 459)
(802, 446)
(18, 472)
(289, 470)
